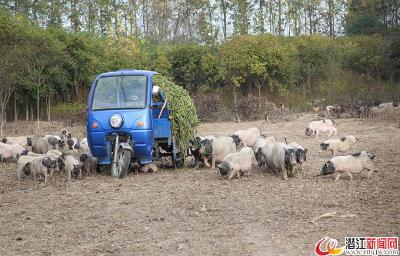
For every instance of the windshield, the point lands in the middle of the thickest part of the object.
(118, 92)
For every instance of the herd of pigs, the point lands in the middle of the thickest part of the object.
(39, 157)
(234, 155)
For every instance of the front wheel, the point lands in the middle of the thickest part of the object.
(120, 168)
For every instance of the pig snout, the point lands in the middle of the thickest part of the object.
(292, 159)
(223, 168)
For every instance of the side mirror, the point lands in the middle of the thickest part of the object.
(156, 91)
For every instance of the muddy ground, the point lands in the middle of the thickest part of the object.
(188, 212)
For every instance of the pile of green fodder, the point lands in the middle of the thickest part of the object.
(182, 111)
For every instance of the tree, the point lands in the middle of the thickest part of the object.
(207, 33)
(75, 15)
(364, 25)
(224, 6)
(43, 64)
(241, 16)
(6, 86)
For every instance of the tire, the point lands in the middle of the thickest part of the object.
(123, 163)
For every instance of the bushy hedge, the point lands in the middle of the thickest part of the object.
(182, 110)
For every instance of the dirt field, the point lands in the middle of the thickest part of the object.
(190, 212)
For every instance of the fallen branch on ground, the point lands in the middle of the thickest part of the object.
(325, 215)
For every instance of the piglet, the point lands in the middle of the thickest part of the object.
(237, 164)
(248, 137)
(326, 125)
(354, 163)
(40, 167)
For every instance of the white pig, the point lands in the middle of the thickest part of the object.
(341, 145)
(237, 164)
(248, 137)
(216, 149)
(354, 163)
(281, 157)
(40, 167)
(326, 125)
(258, 149)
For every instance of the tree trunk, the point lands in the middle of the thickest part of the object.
(271, 19)
(26, 110)
(1, 122)
(280, 17)
(310, 16)
(48, 109)
(261, 16)
(38, 107)
(235, 103)
(32, 112)
(15, 108)
(177, 23)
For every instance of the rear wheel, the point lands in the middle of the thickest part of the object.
(120, 169)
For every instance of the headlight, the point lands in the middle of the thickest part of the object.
(115, 121)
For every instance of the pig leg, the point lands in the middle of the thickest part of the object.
(212, 163)
(239, 174)
(206, 162)
(334, 129)
(69, 175)
(349, 173)
(370, 171)
(337, 177)
(284, 172)
(330, 133)
(317, 132)
(233, 174)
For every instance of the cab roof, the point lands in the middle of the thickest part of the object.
(128, 72)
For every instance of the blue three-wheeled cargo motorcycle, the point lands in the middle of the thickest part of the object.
(128, 121)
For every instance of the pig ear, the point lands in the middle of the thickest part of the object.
(305, 150)
(83, 157)
(70, 142)
(371, 156)
(45, 162)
